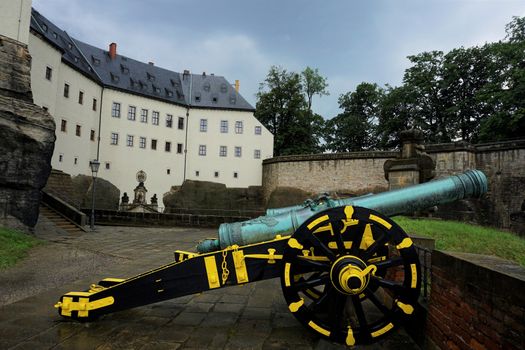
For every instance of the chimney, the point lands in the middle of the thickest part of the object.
(151, 63)
(113, 50)
(237, 85)
(186, 73)
(204, 74)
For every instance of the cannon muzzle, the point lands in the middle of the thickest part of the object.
(285, 221)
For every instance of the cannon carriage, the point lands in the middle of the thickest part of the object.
(348, 272)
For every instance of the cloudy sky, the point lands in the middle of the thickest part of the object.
(349, 41)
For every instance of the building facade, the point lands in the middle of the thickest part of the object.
(133, 116)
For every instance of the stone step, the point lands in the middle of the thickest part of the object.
(59, 221)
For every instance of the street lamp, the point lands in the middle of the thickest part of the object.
(93, 164)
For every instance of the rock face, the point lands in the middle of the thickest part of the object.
(27, 136)
(212, 195)
(287, 196)
(107, 195)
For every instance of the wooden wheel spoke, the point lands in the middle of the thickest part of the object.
(323, 298)
(337, 309)
(370, 295)
(396, 287)
(314, 265)
(374, 247)
(317, 244)
(394, 261)
(358, 308)
(314, 282)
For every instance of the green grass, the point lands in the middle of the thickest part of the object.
(467, 238)
(14, 246)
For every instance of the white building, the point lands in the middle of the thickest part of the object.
(136, 116)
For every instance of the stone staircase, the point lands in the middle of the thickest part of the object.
(59, 221)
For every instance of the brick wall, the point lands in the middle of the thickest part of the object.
(477, 302)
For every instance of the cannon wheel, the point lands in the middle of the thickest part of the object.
(350, 274)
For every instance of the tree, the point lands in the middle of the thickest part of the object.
(353, 129)
(282, 108)
(313, 84)
(395, 115)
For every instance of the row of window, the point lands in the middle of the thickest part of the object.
(144, 115)
(223, 126)
(130, 142)
(223, 151)
(216, 174)
(80, 97)
(78, 130)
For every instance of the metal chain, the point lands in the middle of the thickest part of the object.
(225, 271)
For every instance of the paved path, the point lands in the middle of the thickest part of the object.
(253, 316)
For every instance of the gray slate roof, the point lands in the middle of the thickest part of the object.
(132, 76)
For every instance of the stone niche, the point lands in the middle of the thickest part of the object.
(28, 137)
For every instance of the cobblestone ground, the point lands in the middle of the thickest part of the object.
(253, 316)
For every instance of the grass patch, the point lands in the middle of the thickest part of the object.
(461, 237)
(14, 246)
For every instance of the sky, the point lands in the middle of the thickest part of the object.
(349, 41)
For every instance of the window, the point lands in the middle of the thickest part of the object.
(257, 154)
(202, 150)
(181, 123)
(168, 171)
(238, 127)
(223, 151)
(167, 147)
(169, 120)
(153, 144)
(129, 141)
(92, 135)
(155, 118)
(94, 107)
(216, 174)
(258, 130)
(75, 160)
(49, 73)
(63, 125)
(197, 173)
(142, 142)
(108, 166)
(115, 110)
(81, 97)
(179, 147)
(132, 111)
(60, 158)
(114, 138)
(78, 130)
(224, 126)
(66, 90)
(238, 151)
(144, 116)
(235, 175)
(204, 125)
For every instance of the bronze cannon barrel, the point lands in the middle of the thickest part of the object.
(285, 221)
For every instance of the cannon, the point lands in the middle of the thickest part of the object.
(348, 272)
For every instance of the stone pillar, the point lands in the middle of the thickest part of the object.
(28, 136)
(413, 166)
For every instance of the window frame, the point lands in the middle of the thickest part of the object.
(154, 144)
(223, 151)
(180, 124)
(66, 90)
(115, 110)
(238, 151)
(114, 138)
(132, 113)
(78, 130)
(239, 127)
(144, 115)
(224, 126)
(167, 146)
(80, 97)
(202, 150)
(169, 120)
(259, 129)
(203, 125)
(130, 139)
(142, 142)
(155, 115)
(49, 73)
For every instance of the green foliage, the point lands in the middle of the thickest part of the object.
(14, 246)
(314, 84)
(282, 107)
(467, 238)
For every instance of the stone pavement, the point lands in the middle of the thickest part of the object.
(253, 316)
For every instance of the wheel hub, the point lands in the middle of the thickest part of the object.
(350, 275)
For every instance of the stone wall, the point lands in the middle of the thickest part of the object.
(344, 173)
(477, 302)
(28, 136)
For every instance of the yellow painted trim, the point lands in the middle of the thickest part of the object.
(407, 308)
(83, 305)
(349, 211)
(296, 306)
(382, 330)
(380, 221)
(333, 245)
(405, 243)
(368, 238)
(413, 268)
(80, 294)
(271, 256)
(116, 280)
(65, 304)
(319, 329)
(312, 294)
(287, 274)
(350, 340)
(315, 258)
(325, 228)
(377, 259)
(240, 266)
(317, 221)
(211, 271)
(292, 243)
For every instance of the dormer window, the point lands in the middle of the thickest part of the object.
(44, 27)
(169, 93)
(124, 69)
(75, 59)
(214, 98)
(151, 77)
(224, 88)
(142, 85)
(114, 78)
(133, 82)
(233, 99)
(206, 87)
(174, 83)
(197, 97)
(95, 60)
(69, 45)
(179, 95)
(156, 89)
(55, 35)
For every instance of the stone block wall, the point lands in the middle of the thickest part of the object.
(346, 173)
(477, 302)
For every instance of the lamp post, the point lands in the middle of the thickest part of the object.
(93, 164)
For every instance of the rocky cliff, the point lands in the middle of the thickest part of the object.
(27, 136)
